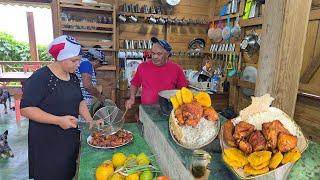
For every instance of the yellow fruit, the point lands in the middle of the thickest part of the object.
(235, 154)
(117, 177)
(249, 170)
(261, 166)
(275, 160)
(146, 175)
(143, 159)
(259, 157)
(179, 97)
(118, 159)
(204, 99)
(132, 177)
(291, 156)
(174, 102)
(232, 163)
(104, 171)
(131, 160)
(187, 96)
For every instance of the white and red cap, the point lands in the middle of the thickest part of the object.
(64, 47)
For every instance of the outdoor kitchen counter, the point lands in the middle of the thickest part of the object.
(174, 160)
(90, 158)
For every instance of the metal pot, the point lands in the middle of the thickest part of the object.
(250, 43)
(164, 101)
(170, 2)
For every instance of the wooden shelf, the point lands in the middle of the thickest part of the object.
(75, 23)
(102, 49)
(107, 68)
(121, 49)
(86, 6)
(87, 30)
(217, 18)
(144, 15)
(251, 22)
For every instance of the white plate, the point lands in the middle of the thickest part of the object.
(99, 147)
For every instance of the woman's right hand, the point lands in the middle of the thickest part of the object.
(67, 122)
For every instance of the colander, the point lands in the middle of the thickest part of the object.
(111, 118)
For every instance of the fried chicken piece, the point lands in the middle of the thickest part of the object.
(257, 141)
(245, 146)
(228, 129)
(286, 142)
(210, 114)
(192, 113)
(271, 131)
(178, 114)
(242, 130)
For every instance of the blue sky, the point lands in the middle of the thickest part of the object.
(13, 20)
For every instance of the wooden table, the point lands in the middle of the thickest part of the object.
(14, 76)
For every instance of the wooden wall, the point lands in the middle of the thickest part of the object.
(307, 111)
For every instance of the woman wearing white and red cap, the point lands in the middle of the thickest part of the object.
(52, 100)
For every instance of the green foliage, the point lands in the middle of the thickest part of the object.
(13, 50)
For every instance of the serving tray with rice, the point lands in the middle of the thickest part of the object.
(193, 122)
(262, 142)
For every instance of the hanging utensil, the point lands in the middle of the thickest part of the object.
(226, 32)
(236, 30)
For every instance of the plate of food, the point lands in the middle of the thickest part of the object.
(193, 122)
(101, 141)
(262, 142)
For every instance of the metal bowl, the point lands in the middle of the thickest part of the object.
(164, 101)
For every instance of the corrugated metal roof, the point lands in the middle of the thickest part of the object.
(28, 3)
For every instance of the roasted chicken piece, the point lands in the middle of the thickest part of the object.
(245, 146)
(210, 114)
(178, 114)
(271, 131)
(228, 129)
(286, 142)
(257, 141)
(189, 114)
(242, 130)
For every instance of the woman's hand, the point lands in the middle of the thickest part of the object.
(67, 122)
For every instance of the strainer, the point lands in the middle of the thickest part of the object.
(111, 118)
(217, 33)
(236, 30)
(226, 32)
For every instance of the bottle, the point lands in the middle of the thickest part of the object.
(215, 82)
(199, 163)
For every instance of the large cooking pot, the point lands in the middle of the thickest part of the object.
(164, 101)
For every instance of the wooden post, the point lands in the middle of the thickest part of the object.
(283, 38)
(56, 18)
(32, 37)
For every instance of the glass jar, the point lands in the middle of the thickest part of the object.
(199, 163)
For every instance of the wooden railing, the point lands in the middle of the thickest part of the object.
(17, 66)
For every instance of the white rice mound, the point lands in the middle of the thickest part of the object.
(193, 137)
